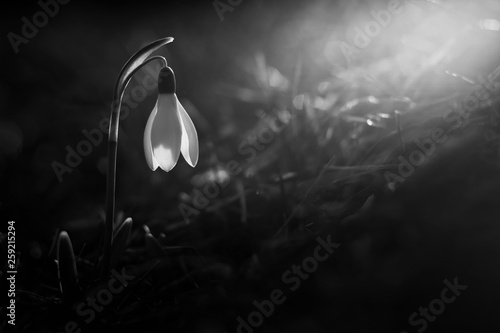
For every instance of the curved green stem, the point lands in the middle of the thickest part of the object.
(125, 76)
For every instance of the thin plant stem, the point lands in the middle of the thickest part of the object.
(112, 153)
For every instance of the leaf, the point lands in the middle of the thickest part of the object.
(136, 60)
(120, 241)
(362, 212)
(368, 204)
(152, 245)
(68, 275)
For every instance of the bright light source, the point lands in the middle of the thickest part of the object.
(490, 24)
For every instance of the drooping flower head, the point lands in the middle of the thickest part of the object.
(169, 130)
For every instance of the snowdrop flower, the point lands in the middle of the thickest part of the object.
(169, 130)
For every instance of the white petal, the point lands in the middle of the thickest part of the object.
(166, 133)
(189, 144)
(148, 149)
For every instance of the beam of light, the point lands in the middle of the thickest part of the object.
(425, 32)
(489, 24)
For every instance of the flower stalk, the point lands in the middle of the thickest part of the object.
(138, 60)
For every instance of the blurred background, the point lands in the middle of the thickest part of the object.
(358, 98)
